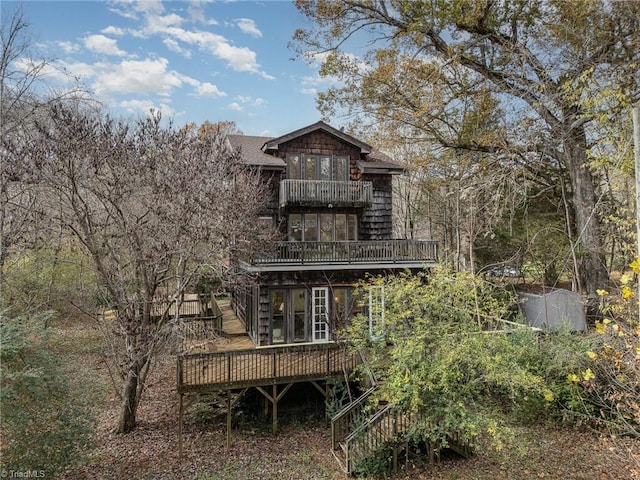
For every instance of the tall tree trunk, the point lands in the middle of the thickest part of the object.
(130, 399)
(588, 229)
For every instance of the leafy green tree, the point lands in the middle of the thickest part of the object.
(46, 421)
(447, 354)
(527, 82)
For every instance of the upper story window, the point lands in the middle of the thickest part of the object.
(322, 227)
(317, 167)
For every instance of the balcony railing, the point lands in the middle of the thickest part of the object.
(358, 252)
(325, 192)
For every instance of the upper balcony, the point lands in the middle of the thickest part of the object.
(319, 193)
(353, 255)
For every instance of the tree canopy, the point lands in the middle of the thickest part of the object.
(517, 83)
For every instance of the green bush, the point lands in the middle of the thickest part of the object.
(448, 358)
(45, 422)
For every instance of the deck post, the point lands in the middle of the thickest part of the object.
(274, 420)
(180, 427)
(228, 418)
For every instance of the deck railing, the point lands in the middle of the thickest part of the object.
(200, 319)
(325, 192)
(343, 423)
(380, 251)
(386, 427)
(263, 366)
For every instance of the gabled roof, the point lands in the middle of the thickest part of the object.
(263, 151)
(275, 142)
(252, 154)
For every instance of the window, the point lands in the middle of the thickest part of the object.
(318, 167)
(293, 163)
(295, 227)
(319, 312)
(310, 227)
(376, 311)
(299, 314)
(277, 316)
(324, 227)
(266, 224)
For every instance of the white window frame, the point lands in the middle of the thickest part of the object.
(320, 314)
(376, 312)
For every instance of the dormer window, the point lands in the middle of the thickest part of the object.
(317, 167)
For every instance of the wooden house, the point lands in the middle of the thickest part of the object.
(332, 204)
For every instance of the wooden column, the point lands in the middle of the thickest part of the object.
(180, 426)
(228, 418)
(274, 398)
(274, 418)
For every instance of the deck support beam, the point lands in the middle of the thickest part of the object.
(325, 393)
(274, 398)
(180, 425)
(230, 402)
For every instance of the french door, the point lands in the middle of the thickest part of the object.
(320, 314)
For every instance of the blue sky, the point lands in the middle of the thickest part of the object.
(194, 61)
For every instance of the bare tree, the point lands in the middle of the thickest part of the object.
(155, 207)
(24, 92)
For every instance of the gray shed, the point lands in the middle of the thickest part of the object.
(553, 309)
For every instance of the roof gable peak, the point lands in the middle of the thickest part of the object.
(273, 144)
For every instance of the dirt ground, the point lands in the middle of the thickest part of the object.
(301, 450)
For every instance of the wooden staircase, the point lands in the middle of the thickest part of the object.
(359, 435)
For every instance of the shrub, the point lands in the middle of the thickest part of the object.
(448, 358)
(45, 424)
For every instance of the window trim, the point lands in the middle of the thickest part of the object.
(351, 220)
(302, 166)
(376, 312)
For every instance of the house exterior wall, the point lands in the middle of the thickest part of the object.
(374, 223)
(377, 220)
(322, 143)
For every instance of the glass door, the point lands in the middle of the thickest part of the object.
(319, 312)
(299, 314)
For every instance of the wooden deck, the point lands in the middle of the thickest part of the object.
(228, 335)
(230, 360)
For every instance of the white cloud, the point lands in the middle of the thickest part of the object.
(196, 13)
(157, 23)
(50, 71)
(149, 76)
(240, 59)
(103, 45)
(146, 106)
(207, 89)
(248, 26)
(250, 101)
(68, 47)
(111, 30)
(132, 76)
(236, 106)
(175, 47)
(149, 7)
